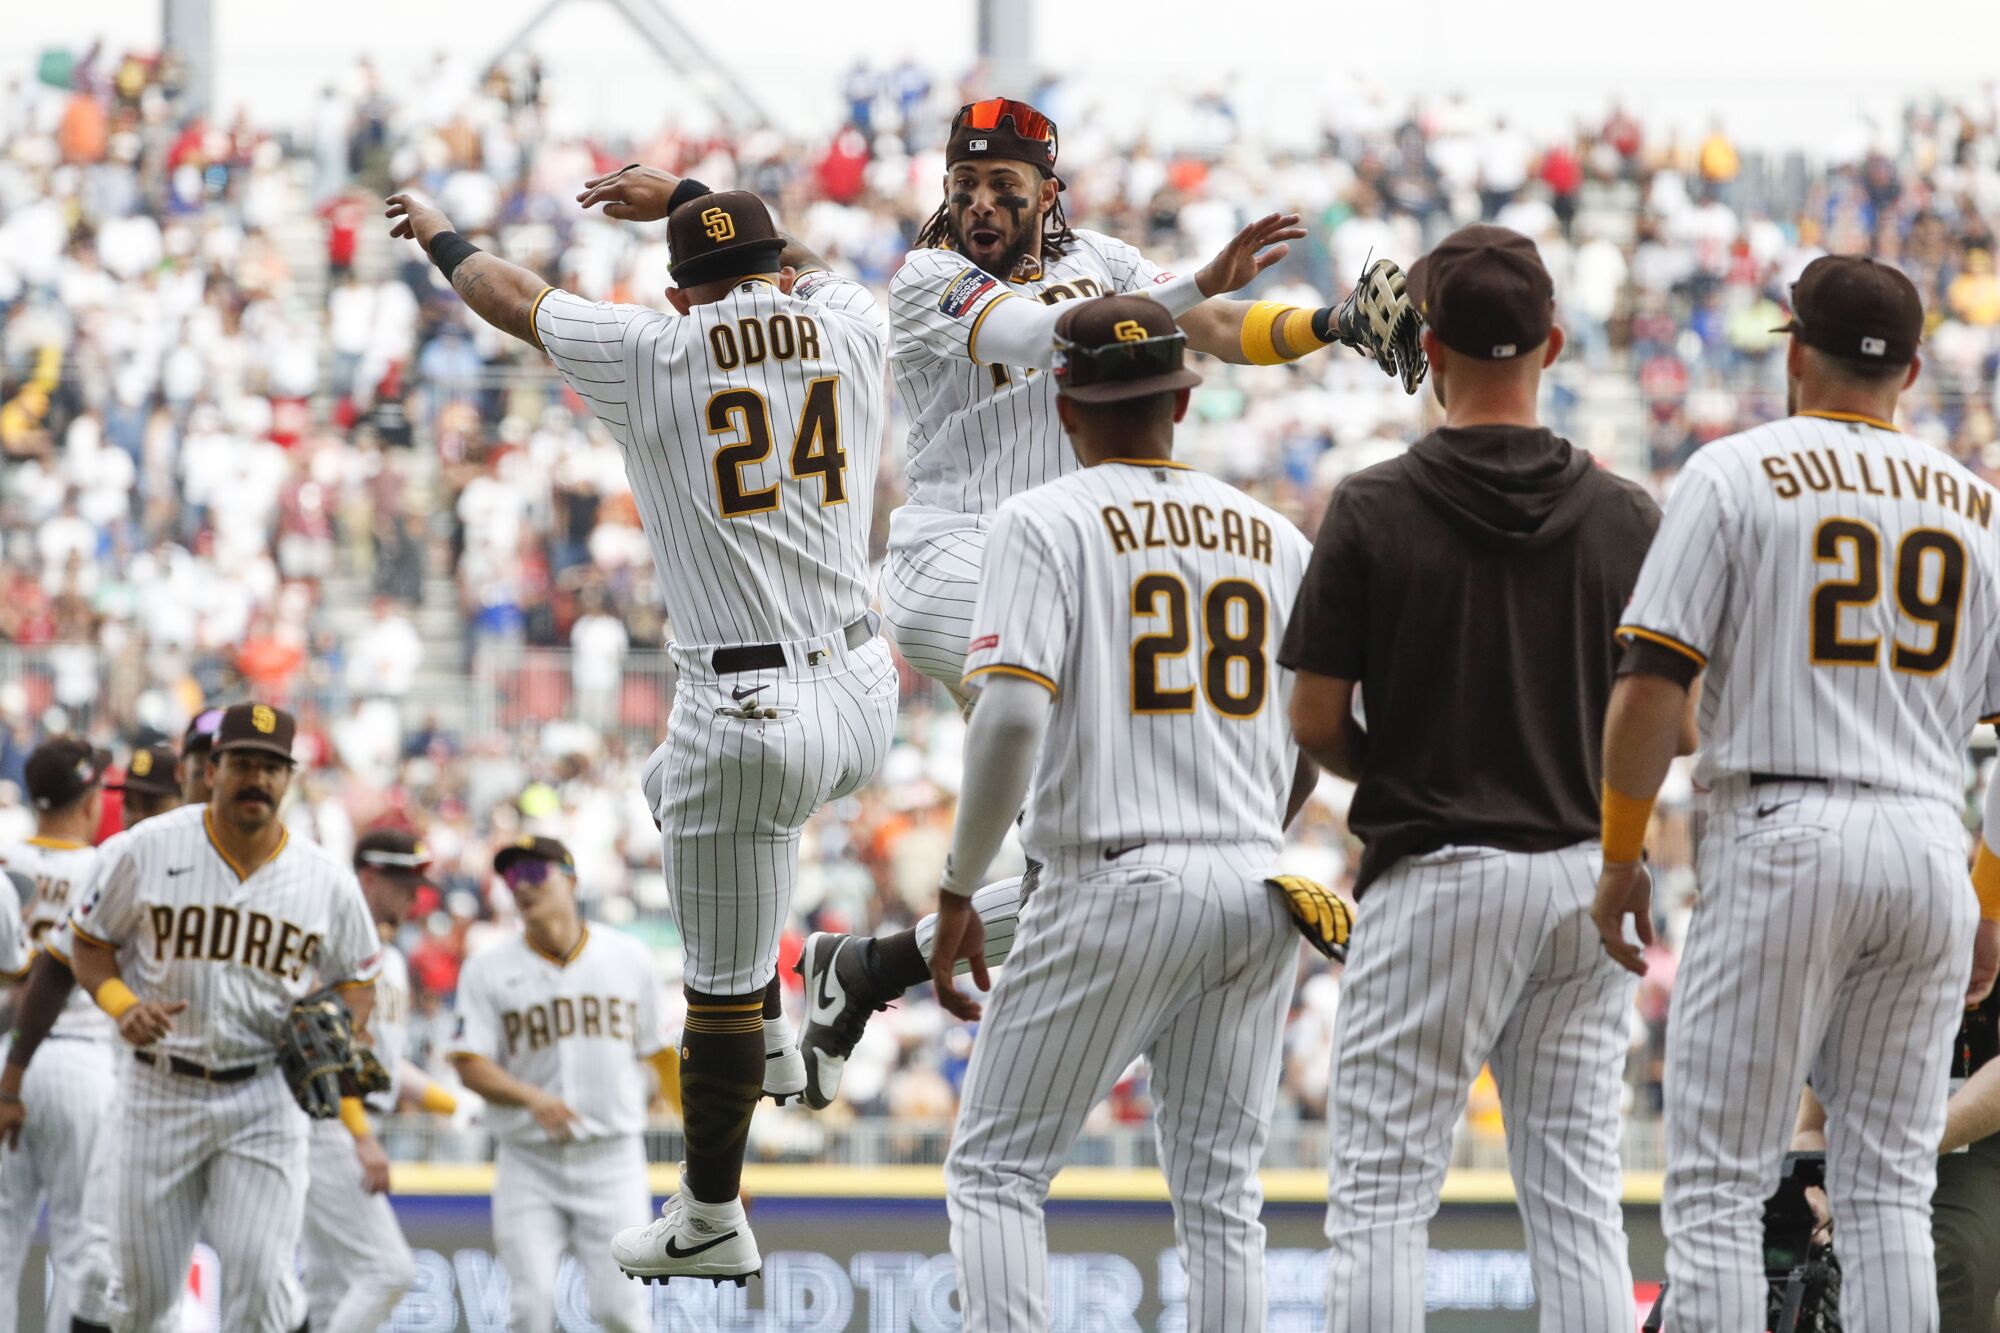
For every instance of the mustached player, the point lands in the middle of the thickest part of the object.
(202, 927)
(971, 312)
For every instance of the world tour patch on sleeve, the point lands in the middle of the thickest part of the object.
(963, 290)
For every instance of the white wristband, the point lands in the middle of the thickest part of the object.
(1179, 295)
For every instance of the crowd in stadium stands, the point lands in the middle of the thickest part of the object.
(252, 448)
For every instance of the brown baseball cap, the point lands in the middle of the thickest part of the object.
(1117, 347)
(255, 727)
(201, 731)
(150, 772)
(529, 846)
(394, 853)
(1485, 293)
(1851, 307)
(61, 771)
(727, 234)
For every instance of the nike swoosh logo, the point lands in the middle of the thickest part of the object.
(821, 998)
(1113, 853)
(171, 872)
(676, 1252)
(1773, 809)
(742, 692)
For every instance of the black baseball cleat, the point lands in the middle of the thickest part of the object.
(678, 1244)
(839, 1001)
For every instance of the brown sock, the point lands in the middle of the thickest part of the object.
(722, 1076)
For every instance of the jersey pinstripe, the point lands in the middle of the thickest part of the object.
(1156, 596)
(981, 433)
(61, 872)
(751, 429)
(1840, 581)
(14, 948)
(239, 949)
(575, 1026)
(389, 1023)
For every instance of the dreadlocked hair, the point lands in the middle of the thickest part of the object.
(1057, 238)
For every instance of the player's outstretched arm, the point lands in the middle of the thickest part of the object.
(499, 1087)
(42, 998)
(500, 293)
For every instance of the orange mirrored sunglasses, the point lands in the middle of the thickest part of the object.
(987, 115)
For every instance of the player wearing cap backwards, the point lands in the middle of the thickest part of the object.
(357, 1264)
(49, 1004)
(970, 365)
(1837, 582)
(50, 1114)
(554, 1028)
(202, 928)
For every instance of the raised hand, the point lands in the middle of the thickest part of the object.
(415, 220)
(1247, 255)
(631, 194)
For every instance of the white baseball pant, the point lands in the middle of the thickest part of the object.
(1832, 941)
(552, 1197)
(928, 594)
(227, 1160)
(1185, 957)
(739, 788)
(1462, 957)
(67, 1091)
(357, 1264)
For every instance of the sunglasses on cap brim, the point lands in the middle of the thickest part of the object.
(528, 870)
(1078, 366)
(987, 115)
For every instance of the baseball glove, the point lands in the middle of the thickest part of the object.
(1378, 320)
(1322, 916)
(316, 1053)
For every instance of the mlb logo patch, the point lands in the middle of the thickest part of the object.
(966, 288)
(1874, 347)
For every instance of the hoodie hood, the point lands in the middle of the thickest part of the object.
(1508, 486)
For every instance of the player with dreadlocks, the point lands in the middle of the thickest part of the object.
(971, 364)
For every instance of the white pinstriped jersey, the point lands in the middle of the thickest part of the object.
(14, 951)
(239, 950)
(389, 1024)
(1151, 598)
(981, 433)
(576, 1027)
(62, 872)
(1841, 582)
(752, 433)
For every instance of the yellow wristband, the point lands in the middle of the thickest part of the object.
(438, 1101)
(1259, 337)
(1625, 820)
(1986, 882)
(114, 997)
(355, 1116)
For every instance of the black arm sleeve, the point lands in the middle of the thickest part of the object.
(42, 998)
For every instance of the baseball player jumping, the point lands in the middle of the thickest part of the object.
(1475, 800)
(49, 1004)
(202, 927)
(1839, 583)
(357, 1264)
(750, 416)
(61, 1102)
(554, 1026)
(1131, 610)
(970, 365)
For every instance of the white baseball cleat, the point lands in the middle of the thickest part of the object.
(784, 1067)
(690, 1239)
(839, 1002)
